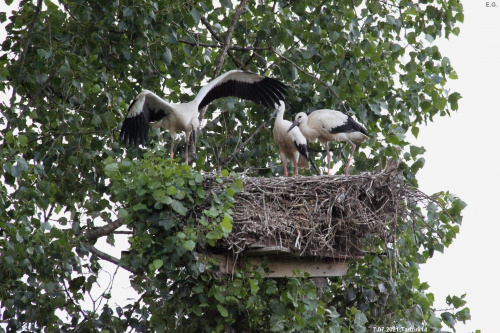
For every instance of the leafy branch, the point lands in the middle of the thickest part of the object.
(329, 87)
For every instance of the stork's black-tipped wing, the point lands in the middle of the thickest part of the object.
(245, 85)
(146, 108)
(349, 126)
(304, 150)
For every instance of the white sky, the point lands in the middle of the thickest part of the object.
(462, 157)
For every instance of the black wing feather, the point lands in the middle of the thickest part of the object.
(304, 151)
(348, 127)
(135, 130)
(266, 92)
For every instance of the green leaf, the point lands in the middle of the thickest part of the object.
(463, 315)
(157, 263)
(178, 207)
(254, 287)
(23, 140)
(45, 55)
(167, 56)
(198, 178)
(64, 70)
(172, 190)
(41, 78)
(360, 319)
(127, 12)
(215, 234)
(227, 3)
(50, 5)
(189, 245)
(448, 319)
(139, 206)
(222, 310)
(76, 283)
(111, 169)
(122, 213)
(237, 185)
(200, 192)
(457, 302)
(415, 130)
(96, 88)
(453, 100)
(196, 15)
(227, 222)
(434, 321)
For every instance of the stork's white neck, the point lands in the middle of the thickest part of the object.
(308, 132)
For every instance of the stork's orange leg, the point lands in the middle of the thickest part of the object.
(353, 147)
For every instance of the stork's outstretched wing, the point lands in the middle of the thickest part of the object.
(145, 108)
(245, 85)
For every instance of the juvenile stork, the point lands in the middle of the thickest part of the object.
(148, 107)
(292, 144)
(330, 125)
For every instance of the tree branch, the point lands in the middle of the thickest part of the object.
(111, 259)
(231, 47)
(30, 32)
(210, 29)
(54, 133)
(244, 144)
(152, 62)
(105, 230)
(311, 76)
(225, 44)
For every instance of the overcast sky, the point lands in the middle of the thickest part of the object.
(462, 157)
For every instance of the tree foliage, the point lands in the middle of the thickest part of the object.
(70, 70)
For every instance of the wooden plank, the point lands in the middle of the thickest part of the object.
(285, 267)
(268, 250)
(288, 252)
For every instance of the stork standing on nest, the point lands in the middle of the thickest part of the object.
(292, 144)
(148, 107)
(330, 125)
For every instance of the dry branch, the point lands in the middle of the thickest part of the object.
(319, 216)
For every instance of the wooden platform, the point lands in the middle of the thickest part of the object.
(282, 262)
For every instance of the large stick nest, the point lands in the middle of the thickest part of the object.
(320, 216)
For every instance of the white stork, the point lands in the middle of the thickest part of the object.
(148, 107)
(292, 144)
(330, 125)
